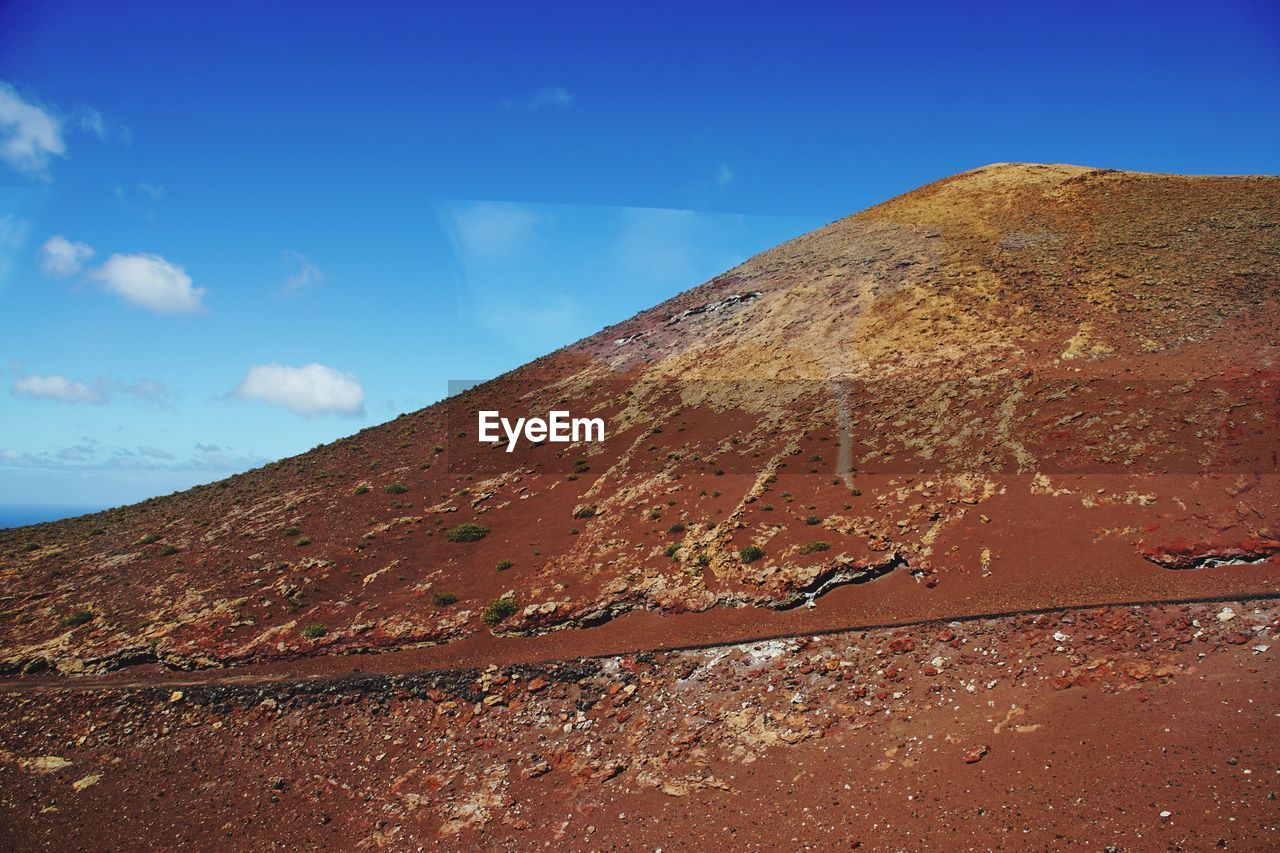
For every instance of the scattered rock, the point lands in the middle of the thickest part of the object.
(86, 781)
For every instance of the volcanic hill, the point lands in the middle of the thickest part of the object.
(1019, 387)
(1025, 389)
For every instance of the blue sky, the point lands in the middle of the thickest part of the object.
(231, 231)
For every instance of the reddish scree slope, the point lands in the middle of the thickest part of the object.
(1021, 387)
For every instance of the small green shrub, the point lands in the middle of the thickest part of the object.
(750, 554)
(814, 546)
(672, 549)
(169, 551)
(314, 631)
(676, 528)
(503, 565)
(813, 519)
(584, 511)
(76, 619)
(149, 538)
(31, 546)
(468, 532)
(97, 531)
(362, 488)
(293, 531)
(303, 541)
(444, 599)
(497, 610)
(396, 489)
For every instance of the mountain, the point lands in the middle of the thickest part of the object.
(950, 524)
(1024, 386)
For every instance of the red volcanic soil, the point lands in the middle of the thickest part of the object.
(1020, 402)
(1134, 728)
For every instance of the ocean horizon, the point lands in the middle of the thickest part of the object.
(21, 515)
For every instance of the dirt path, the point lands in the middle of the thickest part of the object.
(428, 660)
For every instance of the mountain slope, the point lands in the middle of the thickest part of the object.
(1020, 387)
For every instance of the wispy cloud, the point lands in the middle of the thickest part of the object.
(32, 134)
(555, 97)
(61, 257)
(90, 455)
(57, 388)
(9, 456)
(548, 97)
(150, 282)
(147, 390)
(142, 198)
(312, 389)
(724, 176)
(29, 134)
(76, 453)
(302, 273)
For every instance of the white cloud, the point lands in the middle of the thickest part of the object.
(61, 257)
(29, 135)
(151, 282)
(490, 228)
(312, 389)
(724, 177)
(60, 388)
(99, 390)
(302, 273)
